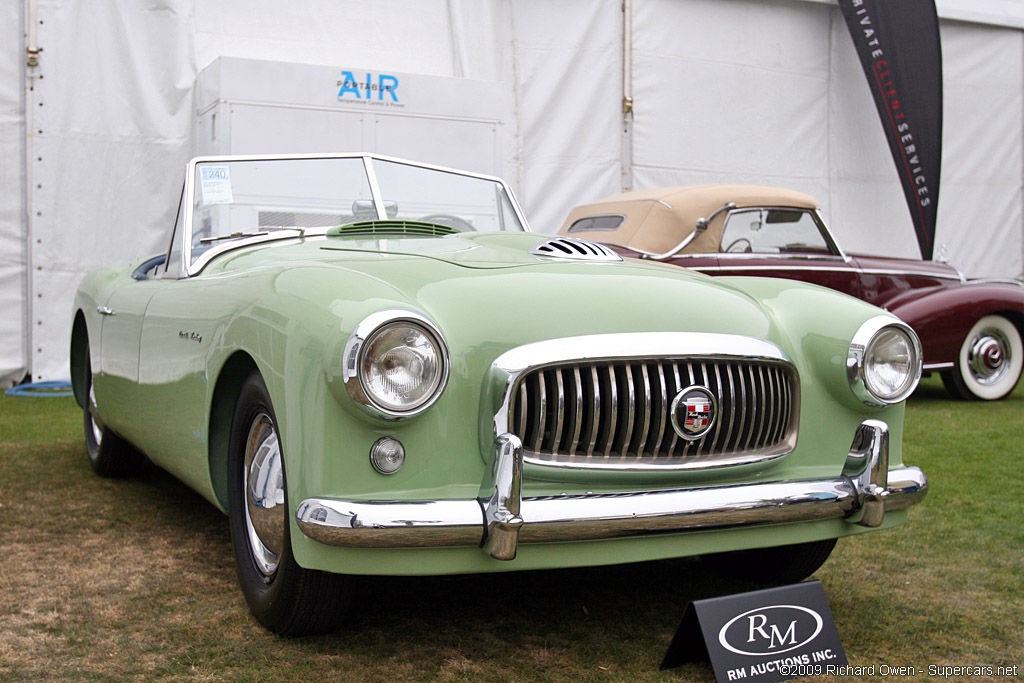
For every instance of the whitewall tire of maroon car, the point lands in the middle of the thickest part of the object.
(990, 361)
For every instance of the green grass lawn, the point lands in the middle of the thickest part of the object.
(134, 579)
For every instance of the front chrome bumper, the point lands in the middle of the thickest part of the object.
(501, 518)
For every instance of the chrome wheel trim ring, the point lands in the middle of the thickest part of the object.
(95, 422)
(989, 356)
(263, 488)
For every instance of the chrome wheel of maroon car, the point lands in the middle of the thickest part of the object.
(741, 230)
(990, 362)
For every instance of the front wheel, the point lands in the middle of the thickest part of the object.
(109, 454)
(774, 566)
(989, 363)
(286, 598)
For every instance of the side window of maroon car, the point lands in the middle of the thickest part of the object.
(772, 231)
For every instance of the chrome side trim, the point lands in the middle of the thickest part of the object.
(994, 281)
(828, 269)
(502, 519)
(938, 366)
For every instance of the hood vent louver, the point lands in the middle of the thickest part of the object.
(392, 229)
(574, 248)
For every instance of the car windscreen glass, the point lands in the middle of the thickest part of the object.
(238, 199)
(773, 231)
(466, 203)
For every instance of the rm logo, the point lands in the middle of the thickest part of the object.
(770, 630)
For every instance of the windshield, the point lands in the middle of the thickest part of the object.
(773, 231)
(252, 198)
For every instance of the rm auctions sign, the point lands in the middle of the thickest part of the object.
(768, 635)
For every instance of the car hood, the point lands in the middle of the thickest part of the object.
(489, 293)
(490, 285)
(469, 250)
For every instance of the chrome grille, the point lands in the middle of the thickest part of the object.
(617, 414)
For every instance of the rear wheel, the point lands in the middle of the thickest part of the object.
(109, 454)
(284, 597)
(990, 361)
(778, 565)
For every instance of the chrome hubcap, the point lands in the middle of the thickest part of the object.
(94, 418)
(263, 487)
(989, 356)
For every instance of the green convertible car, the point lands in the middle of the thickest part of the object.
(373, 367)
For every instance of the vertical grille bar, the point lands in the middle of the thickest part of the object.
(660, 410)
(613, 411)
(645, 412)
(556, 432)
(678, 386)
(764, 398)
(577, 383)
(731, 404)
(595, 420)
(542, 404)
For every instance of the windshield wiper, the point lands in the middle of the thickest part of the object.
(232, 236)
(236, 235)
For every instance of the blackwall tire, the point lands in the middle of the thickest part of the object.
(774, 566)
(286, 598)
(109, 455)
(989, 363)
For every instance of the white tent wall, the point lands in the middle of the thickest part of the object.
(13, 260)
(731, 91)
(568, 81)
(737, 90)
(110, 122)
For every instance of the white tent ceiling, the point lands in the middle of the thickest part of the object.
(92, 140)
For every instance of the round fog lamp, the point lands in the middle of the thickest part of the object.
(387, 455)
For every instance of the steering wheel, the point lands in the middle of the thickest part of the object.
(448, 220)
(740, 246)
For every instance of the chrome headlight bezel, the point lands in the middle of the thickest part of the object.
(864, 343)
(361, 340)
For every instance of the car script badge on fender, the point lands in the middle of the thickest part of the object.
(693, 412)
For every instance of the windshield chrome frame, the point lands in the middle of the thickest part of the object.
(187, 268)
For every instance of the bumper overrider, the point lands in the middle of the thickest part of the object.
(502, 518)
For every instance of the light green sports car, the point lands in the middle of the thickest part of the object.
(373, 367)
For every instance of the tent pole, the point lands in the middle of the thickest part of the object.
(626, 143)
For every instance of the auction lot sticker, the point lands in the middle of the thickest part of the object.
(767, 635)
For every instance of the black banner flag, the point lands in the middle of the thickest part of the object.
(898, 45)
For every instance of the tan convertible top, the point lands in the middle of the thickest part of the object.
(657, 220)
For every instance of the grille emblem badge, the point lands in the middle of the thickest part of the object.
(693, 412)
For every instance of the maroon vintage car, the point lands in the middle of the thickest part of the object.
(971, 329)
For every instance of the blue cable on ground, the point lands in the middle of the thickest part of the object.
(41, 389)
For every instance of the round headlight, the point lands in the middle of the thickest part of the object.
(884, 361)
(397, 363)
